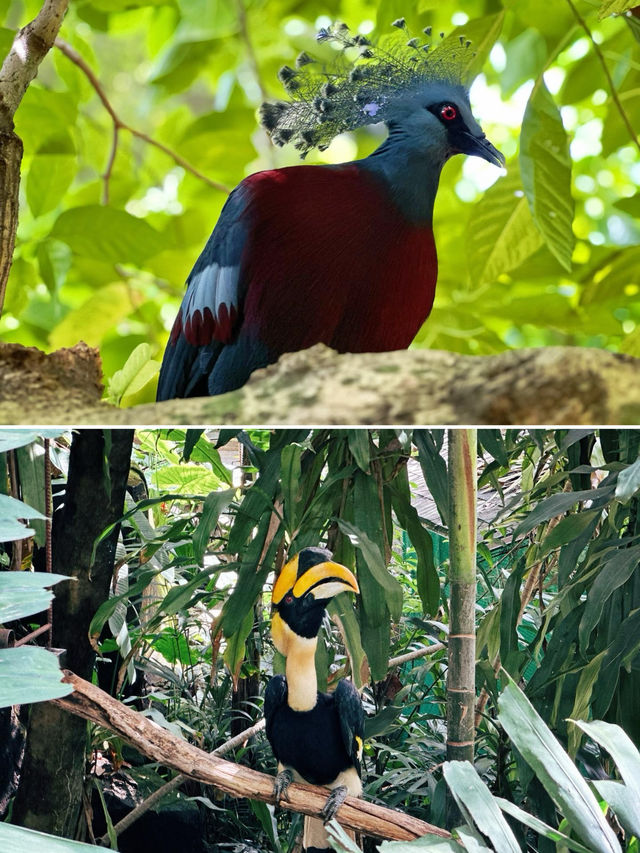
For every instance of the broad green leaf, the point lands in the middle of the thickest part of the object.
(545, 165)
(189, 477)
(615, 7)
(31, 469)
(48, 179)
(107, 234)
(568, 529)
(25, 593)
(471, 840)
(290, 477)
(427, 579)
(615, 571)
(138, 370)
(21, 840)
(236, 644)
(432, 843)
(358, 440)
(582, 703)
(501, 233)
(540, 826)
(11, 511)
(434, 469)
(94, 318)
(628, 482)
(482, 33)
(341, 611)
(214, 504)
(623, 803)
(478, 806)
(191, 438)
(555, 770)
(623, 751)
(559, 504)
(375, 562)
(339, 839)
(30, 674)
(12, 438)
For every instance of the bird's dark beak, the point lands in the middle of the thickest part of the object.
(481, 147)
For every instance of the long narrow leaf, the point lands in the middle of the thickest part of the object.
(556, 771)
(541, 827)
(478, 806)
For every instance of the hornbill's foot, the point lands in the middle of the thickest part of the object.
(282, 782)
(335, 799)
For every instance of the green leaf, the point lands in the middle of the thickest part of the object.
(25, 593)
(555, 770)
(615, 571)
(30, 674)
(188, 477)
(545, 164)
(568, 529)
(290, 483)
(375, 562)
(434, 469)
(214, 504)
(628, 482)
(501, 233)
(427, 579)
(623, 804)
(615, 7)
(478, 806)
(482, 33)
(559, 504)
(623, 751)
(21, 840)
(541, 827)
(138, 370)
(48, 179)
(11, 510)
(94, 318)
(358, 440)
(582, 703)
(107, 234)
(191, 438)
(341, 611)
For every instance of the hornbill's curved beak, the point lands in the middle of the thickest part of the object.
(322, 580)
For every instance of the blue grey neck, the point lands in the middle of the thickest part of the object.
(411, 175)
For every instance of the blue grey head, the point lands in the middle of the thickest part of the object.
(418, 92)
(435, 121)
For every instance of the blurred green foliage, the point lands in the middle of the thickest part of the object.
(547, 254)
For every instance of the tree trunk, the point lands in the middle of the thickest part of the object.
(461, 692)
(50, 793)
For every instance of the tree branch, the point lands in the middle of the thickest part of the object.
(93, 704)
(118, 125)
(20, 66)
(29, 48)
(607, 74)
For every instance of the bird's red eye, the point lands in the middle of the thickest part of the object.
(288, 599)
(448, 112)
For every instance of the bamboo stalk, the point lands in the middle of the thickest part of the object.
(462, 578)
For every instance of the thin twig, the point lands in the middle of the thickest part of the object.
(174, 783)
(599, 54)
(415, 654)
(119, 124)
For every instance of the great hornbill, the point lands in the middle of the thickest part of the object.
(316, 737)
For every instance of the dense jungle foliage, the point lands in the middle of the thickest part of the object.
(182, 632)
(143, 117)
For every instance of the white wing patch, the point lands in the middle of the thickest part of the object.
(210, 306)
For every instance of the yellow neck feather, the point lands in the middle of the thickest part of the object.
(301, 674)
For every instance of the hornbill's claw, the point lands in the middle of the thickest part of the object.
(335, 799)
(282, 782)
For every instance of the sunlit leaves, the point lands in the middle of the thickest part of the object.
(615, 7)
(545, 165)
(105, 233)
(501, 233)
(93, 319)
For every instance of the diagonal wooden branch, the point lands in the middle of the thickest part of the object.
(93, 704)
(30, 46)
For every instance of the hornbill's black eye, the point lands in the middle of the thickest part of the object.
(448, 112)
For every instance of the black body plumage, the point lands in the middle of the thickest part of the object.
(321, 743)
